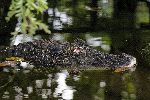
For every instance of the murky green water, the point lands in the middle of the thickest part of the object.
(89, 85)
(43, 83)
(77, 19)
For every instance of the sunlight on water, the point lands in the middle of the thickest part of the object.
(43, 88)
(61, 18)
(100, 94)
(63, 90)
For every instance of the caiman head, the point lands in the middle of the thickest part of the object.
(87, 56)
(125, 62)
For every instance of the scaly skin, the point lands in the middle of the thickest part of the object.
(52, 53)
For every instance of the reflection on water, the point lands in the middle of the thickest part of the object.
(42, 88)
(100, 94)
(58, 37)
(98, 42)
(89, 85)
(129, 89)
(63, 90)
(101, 40)
(58, 19)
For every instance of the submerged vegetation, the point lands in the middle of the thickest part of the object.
(27, 12)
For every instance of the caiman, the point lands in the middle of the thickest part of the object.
(52, 53)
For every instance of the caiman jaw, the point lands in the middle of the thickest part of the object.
(131, 66)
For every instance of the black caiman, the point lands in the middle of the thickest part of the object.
(53, 53)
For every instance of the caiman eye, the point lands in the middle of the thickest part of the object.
(76, 50)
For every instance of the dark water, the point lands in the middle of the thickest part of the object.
(89, 85)
(77, 19)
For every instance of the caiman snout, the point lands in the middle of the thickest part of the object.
(129, 64)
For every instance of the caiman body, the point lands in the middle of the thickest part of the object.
(53, 53)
